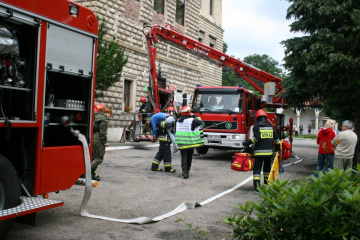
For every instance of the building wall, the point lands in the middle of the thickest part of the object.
(216, 17)
(125, 20)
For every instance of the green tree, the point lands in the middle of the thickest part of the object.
(229, 78)
(263, 62)
(225, 47)
(111, 60)
(324, 64)
(228, 75)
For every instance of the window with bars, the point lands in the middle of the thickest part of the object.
(159, 6)
(180, 11)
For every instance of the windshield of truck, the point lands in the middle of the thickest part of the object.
(219, 102)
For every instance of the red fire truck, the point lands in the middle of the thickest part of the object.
(47, 67)
(228, 112)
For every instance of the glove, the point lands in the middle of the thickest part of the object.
(246, 143)
(277, 148)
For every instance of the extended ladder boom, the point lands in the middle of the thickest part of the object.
(242, 69)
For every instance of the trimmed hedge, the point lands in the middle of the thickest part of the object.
(323, 207)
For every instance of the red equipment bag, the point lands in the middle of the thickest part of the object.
(242, 162)
(285, 150)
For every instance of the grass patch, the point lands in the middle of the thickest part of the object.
(306, 136)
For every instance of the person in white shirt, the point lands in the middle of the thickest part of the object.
(345, 143)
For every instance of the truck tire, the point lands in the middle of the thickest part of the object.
(9, 191)
(202, 150)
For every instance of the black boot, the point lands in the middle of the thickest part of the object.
(94, 175)
(266, 181)
(186, 174)
(256, 185)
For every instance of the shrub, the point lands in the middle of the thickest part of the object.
(323, 207)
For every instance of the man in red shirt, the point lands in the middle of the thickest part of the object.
(326, 149)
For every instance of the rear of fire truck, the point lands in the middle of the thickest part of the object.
(47, 67)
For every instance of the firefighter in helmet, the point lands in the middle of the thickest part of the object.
(99, 139)
(160, 131)
(170, 110)
(145, 110)
(263, 137)
(188, 136)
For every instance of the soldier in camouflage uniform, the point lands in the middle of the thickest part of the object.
(99, 139)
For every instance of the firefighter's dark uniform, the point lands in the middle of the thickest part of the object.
(264, 134)
(164, 152)
(145, 111)
(188, 136)
(99, 141)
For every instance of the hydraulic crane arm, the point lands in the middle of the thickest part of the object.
(242, 69)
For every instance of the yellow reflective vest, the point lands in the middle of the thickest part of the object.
(185, 138)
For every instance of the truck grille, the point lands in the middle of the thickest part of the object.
(219, 125)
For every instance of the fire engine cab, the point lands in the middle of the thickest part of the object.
(228, 114)
(47, 79)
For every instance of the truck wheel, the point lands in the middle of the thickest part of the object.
(9, 191)
(202, 150)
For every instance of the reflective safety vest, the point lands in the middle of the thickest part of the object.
(185, 138)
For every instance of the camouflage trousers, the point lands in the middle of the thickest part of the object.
(98, 153)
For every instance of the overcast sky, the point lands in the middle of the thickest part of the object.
(255, 26)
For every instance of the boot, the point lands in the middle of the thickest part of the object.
(256, 185)
(185, 174)
(168, 168)
(155, 165)
(156, 169)
(94, 175)
(266, 181)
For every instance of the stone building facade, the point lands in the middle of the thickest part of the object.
(201, 20)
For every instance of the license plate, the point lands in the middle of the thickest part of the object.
(213, 137)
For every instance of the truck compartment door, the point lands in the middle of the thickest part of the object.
(69, 49)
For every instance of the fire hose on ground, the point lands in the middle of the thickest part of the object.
(141, 220)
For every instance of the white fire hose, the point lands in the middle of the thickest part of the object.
(140, 220)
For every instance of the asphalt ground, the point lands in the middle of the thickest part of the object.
(129, 189)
